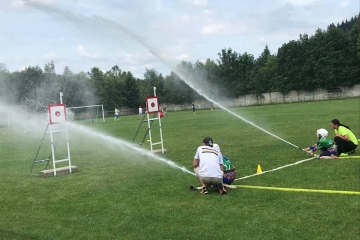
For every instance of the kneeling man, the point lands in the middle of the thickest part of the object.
(209, 161)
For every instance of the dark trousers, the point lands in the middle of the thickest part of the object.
(344, 146)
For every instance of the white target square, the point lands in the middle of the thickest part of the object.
(152, 104)
(57, 113)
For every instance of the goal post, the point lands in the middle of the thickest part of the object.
(96, 112)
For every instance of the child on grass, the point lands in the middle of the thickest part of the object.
(117, 113)
(325, 144)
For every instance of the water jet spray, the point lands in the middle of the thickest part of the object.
(98, 24)
(122, 143)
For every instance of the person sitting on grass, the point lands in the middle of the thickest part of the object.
(229, 170)
(209, 162)
(345, 139)
(325, 144)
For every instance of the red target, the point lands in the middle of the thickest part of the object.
(152, 104)
(57, 113)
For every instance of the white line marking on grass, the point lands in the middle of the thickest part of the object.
(275, 169)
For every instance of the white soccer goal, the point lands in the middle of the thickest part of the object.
(79, 113)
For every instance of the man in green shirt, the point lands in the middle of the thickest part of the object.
(345, 139)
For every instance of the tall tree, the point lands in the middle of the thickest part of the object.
(228, 72)
(260, 75)
(131, 92)
(27, 82)
(4, 79)
(154, 79)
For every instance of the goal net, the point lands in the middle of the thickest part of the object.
(93, 112)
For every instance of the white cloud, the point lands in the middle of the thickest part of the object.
(300, 2)
(224, 28)
(24, 68)
(198, 2)
(207, 12)
(201, 2)
(16, 4)
(132, 58)
(47, 2)
(83, 52)
(137, 58)
(158, 5)
(173, 29)
(21, 4)
(261, 41)
(345, 4)
(176, 28)
(173, 59)
(148, 66)
(182, 57)
(60, 40)
(50, 56)
(132, 69)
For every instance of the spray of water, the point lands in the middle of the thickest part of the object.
(122, 144)
(236, 115)
(36, 123)
(104, 27)
(23, 120)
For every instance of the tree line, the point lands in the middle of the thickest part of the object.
(328, 59)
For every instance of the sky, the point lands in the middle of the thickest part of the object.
(153, 34)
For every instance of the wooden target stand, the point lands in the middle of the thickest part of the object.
(56, 125)
(152, 107)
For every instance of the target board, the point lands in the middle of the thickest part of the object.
(152, 104)
(57, 113)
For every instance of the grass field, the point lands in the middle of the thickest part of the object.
(121, 193)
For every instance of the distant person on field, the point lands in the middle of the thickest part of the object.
(193, 108)
(325, 144)
(117, 113)
(345, 139)
(88, 117)
(164, 110)
(209, 163)
(140, 112)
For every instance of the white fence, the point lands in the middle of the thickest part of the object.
(251, 100)
(272, 98)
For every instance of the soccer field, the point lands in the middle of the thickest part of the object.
(123, 192)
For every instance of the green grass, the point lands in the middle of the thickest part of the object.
(121, 194)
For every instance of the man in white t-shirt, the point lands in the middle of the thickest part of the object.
(209, 162)
(140, 112)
